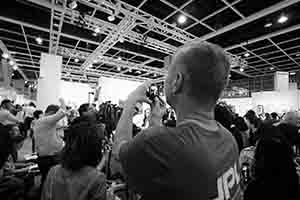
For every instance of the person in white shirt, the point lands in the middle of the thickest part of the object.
(5, 113)
(29, 110)
(48, 143)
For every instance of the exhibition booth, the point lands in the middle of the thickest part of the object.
(50, 88)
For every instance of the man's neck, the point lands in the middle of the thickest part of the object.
(188, 108)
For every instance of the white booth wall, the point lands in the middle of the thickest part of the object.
(75, 93)
(272, 101)
(113, 89)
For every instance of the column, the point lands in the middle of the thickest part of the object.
(49, 83)
(281, 81)
(5, 74)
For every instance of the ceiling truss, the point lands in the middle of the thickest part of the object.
(130, 17)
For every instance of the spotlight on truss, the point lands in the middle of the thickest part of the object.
(282, 19)
(111, 18)
(5, 55)
(73, 5)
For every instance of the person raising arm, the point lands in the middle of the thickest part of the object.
(48, 143)
(197, 159)
(5, 113)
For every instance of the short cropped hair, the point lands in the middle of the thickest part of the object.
(52, 109)
(207, 68)
(83, 146)
(274, 115)
(5, 102)
(37, 113)
(83, 108)
(32, 104)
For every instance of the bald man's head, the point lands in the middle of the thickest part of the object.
(204, 68)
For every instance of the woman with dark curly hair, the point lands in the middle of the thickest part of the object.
(76, 178)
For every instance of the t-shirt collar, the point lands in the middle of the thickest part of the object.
(202, 119)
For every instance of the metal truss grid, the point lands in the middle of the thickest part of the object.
(99, 62)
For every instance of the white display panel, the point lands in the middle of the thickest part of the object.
(75, 93)
(281, 81)
(116, 89)
(272, 101)
(49, 81)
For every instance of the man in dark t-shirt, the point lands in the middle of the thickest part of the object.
(197, 159)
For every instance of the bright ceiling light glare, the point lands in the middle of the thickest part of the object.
(39, 40)
(121, 39)
(73, 5)
(111, 18)
(15, 67)
(119, 58)
(5, 55)
(94, 34)
(247, 54)
(282, 19)
(97, 30)
(292, 73)
(271, 68)
(76, 60)
(138, 72)
(181, 19)
(95, 61)
(268, 25)
(11, 62)
(119, 68)
(242, 69)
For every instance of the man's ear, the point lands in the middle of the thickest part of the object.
(178, 83)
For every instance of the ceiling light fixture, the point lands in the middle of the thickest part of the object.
(247, 54)
(241, 69)
(5, 55)
(119, 58)
(15, 67)
(138, 72)
(271, 68)
(121, 39)
(111, 18)
(94, 34)
(119, 68)
(97, 30)
(39, 40)
(181, 19)
(73, 5)
(76, 60)
(282, 19)
(267, 25)
(11, 62)
(292, 73)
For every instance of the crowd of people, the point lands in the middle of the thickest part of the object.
(197, 149)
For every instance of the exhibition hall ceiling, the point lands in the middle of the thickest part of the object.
(130, 39)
